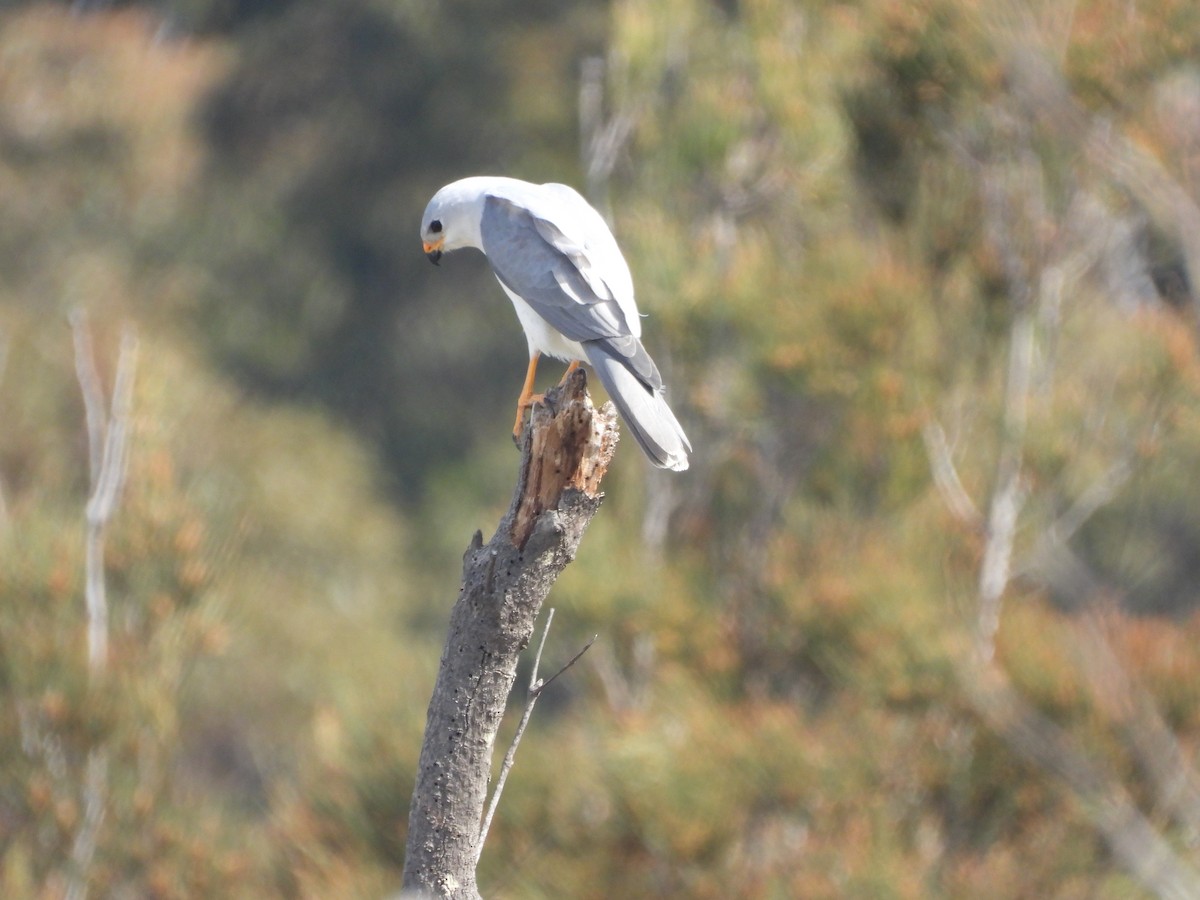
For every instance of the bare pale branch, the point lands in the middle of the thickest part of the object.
(1008, 494)
(95, 796)
(1141, 850)
(108, 441)
(93, 393)
(945, 476)
(107, 486)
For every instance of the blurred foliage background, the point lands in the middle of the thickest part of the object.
(921, 277)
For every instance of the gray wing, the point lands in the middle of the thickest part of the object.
(535, 260)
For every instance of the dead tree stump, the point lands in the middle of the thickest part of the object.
(567, 449)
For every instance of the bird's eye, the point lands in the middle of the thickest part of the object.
(435, 227)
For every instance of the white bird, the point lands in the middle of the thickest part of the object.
(560, 265)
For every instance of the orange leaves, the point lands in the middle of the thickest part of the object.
(1161, 654)
(1113, 50)
(1032, 646)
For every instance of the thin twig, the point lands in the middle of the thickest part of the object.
(945, 476)
(93, 394)
(83, 849)
(601, 140)
(3, 364)
(510, 756)
(535, 691)
(1051, 561)
(107, 487)
(1097, 495)
(574, 659)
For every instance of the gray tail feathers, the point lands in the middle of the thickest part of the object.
(644, 409)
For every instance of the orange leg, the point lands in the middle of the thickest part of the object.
(571, 368)
(528, 397)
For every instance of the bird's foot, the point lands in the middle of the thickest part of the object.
(523, 404)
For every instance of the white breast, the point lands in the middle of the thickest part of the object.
(541, 336)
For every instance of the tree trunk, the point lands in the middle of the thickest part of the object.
(567, 450)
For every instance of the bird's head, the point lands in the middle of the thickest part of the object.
(433, 237)
(451, 219)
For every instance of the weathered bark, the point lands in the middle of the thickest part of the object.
(568, 447)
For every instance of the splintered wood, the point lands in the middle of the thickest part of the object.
(572, 444)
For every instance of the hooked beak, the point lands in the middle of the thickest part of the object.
(433, 249)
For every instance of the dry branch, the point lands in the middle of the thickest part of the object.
(568, 447)
(3, 363)
(536, 686)
(108, 443)
(1134, 841)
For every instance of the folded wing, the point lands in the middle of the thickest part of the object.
(555, 252)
